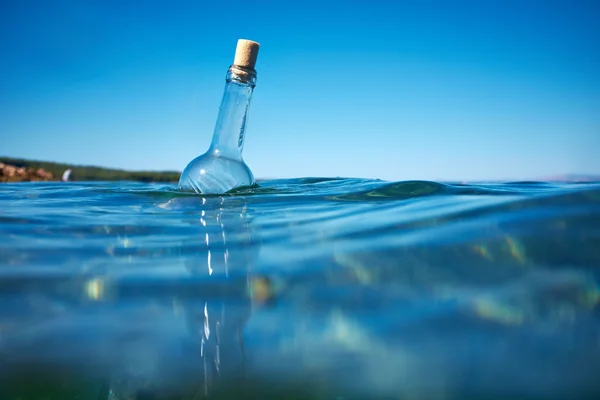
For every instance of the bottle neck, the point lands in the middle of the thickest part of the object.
(228, 137)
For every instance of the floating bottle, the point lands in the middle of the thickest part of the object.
(222, 167)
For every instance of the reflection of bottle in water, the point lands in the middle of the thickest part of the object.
(225, 255)
(215, 310)
(222, 167)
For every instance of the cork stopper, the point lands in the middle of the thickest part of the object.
(246, 53)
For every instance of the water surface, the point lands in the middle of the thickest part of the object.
(303, 288)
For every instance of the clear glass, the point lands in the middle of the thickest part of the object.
(222, 167)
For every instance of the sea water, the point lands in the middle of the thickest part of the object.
(302, 288)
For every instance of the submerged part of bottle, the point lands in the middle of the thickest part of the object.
(222, 167)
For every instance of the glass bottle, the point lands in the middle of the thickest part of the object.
(222, 167)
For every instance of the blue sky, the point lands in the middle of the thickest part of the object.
(439, 90)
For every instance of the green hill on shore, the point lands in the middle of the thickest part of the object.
(91, 173)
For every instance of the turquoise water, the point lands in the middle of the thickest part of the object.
(303, 288)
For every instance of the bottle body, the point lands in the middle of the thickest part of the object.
(213, 174)
(222, 168)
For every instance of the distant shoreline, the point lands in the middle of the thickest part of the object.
(22, 170)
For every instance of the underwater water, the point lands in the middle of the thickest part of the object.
(300, 289)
